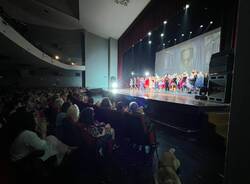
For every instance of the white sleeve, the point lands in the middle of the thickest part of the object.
(33, 141)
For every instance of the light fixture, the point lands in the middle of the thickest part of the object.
(162, 34)
(132, 73)
(182, 35)
(211, 22)
(72, 63)
(187, 6)
(169, 41)
(165, 22)
(163, 44)
(114, 85)
(147, 73)
(175, 39)
(133, 45)
(149, 42)
(190, 32)
(140, 40)
(149, 33)
(122, 2)
(57, 57)
(201, 26)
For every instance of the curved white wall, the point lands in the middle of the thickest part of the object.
(18, 39)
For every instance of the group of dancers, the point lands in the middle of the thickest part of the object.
(184, 82)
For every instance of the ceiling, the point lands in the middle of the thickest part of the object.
(38, 12)
(14, 57)
(108, 19)
(101, 17)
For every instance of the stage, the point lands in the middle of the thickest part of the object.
(176, 109)
(168, 97)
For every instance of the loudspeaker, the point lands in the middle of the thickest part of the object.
(219, 88)
(221, 63)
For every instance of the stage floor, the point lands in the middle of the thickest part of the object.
(169, 97)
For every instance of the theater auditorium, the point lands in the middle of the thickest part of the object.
(124, 91)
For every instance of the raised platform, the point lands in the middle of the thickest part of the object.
(180, 98)
(178, 110)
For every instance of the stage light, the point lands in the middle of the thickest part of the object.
(165, 22)
(182, 35)
(190, 32)
(147, 73)
(149, 33)
(162, 34)
(57, 57)
(149, 42)
(72, 63)
(132, 73)
(211, 22)
(201, 26)
(187, 6)
(163, 44)
(114, 85)
(175, 39)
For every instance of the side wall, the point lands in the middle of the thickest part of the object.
(96, 61)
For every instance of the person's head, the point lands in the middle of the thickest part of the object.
(91, 101)
(73, 113)
(120, 106)
(106, 104)
(133, 107)
(65, 107)
(87, 116)
(58, 103)
(22, 120)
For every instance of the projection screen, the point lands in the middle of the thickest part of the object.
(194, 54)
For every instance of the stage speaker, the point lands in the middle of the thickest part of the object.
(219, 88)
(221, 63)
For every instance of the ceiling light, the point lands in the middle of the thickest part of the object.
(211, 22)
(149, 42)
(149, 33)
(57, 57)
(72, 63)
(182, 35)
(147, 73)
(140, 40)
(175, 39)
(201, 26)
(163, 44)
(165, 22)
(190, 32)
(187, 6)
(122, 2)
(162, 34)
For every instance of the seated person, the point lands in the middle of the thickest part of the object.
(26, 140)
(106, 103)
(95, 131)
(120, 107)
(59, 119)
(135, 109)
(70, 132)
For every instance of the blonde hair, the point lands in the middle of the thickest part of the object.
(73, 112)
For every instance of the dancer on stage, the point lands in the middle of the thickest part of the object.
(131, 83)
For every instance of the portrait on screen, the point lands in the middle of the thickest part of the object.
(187, 58)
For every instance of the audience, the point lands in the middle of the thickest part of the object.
(55, 123)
